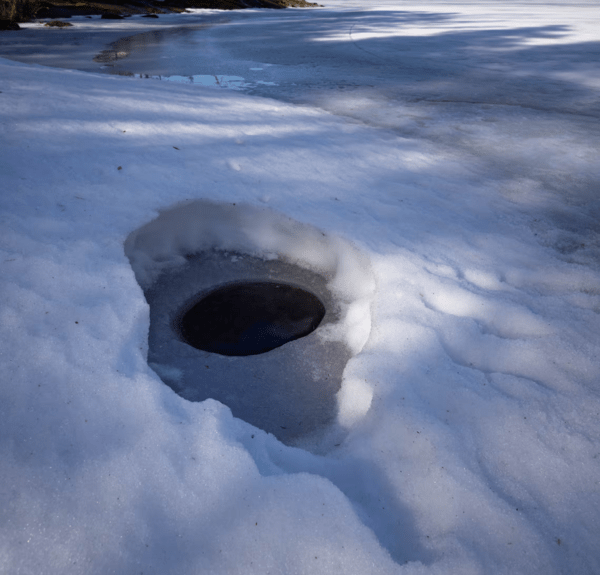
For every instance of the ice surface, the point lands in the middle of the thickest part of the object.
(458, 156)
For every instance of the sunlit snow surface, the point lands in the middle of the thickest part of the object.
(455, 146)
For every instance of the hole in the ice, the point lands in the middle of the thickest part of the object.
(222, 329)
(253, 334)
(250, 318)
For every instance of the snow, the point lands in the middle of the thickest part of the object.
(437, 161)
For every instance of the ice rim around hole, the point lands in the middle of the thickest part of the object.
(164, 247)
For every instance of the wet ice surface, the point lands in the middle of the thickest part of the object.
(458, 153)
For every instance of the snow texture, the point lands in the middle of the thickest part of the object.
(448, 151)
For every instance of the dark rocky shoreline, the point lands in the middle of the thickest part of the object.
(116, 9)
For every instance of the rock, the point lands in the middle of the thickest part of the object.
(110, 56)
(58, 24)
(9, 25)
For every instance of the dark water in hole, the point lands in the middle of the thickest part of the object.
(250, 318)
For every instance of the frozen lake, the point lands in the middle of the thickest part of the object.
(434, 163)
(395, 52)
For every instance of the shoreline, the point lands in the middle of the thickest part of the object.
(57, 10)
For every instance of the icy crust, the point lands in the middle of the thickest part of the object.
(202, 225)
